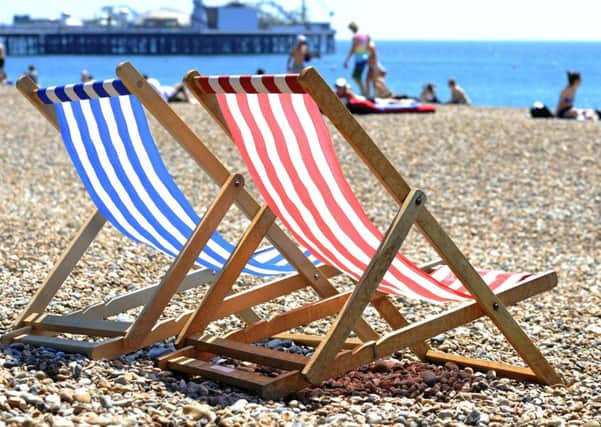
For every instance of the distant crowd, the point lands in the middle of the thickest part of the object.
(368, 73)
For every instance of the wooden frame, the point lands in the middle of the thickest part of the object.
(335, 354)
(35, 326)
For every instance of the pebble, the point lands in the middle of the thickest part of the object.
(82, 395)
(517, 214)
(198, 411)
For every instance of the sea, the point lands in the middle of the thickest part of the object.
(496, 73)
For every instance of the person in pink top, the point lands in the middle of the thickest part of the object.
(359, 49)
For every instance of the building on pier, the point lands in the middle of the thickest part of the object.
(235, 28)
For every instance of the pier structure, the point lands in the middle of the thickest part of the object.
(140, 41)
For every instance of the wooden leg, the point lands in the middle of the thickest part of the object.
(317, 369)
(489, 302)
(231, 271)
(64, 266)
(184, 262)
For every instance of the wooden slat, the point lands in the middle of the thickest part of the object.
(205, 312)
(250, 353)
(77, 325)
(290, 319)
(64, 266)
(185, 260)
(317, 368)
(188, 351)
(315, 340)
(267, 292)
(232, 376)
(394, 183)
(70, 346)
(502, 369)
(8, 337)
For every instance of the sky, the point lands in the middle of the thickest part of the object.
(392, 19)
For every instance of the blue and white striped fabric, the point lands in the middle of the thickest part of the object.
(107, 136)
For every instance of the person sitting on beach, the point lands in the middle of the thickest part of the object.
(344, 90)
(458, 95)
(428, 94)
(359, 51)
(565, 106)
(375, 74)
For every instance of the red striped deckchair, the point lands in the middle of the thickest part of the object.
(276, 123)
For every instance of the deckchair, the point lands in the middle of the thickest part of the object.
(277, 124)
(106, 134)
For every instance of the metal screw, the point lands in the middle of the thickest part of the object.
(316, 276)
(495, 306)
(419, 200)
(237, 183)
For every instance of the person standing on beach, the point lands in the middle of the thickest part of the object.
(458, 95)
(298, 55)
(565, 106)
(2, 72)
(359, 49)
(375, 74)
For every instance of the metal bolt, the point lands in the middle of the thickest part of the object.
(495, 306)
(419, 200)
(237, 183)
(316, 276)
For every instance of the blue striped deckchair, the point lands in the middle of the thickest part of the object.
(105, 131)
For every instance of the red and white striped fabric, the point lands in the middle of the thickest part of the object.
(287, 148)
(279, 83)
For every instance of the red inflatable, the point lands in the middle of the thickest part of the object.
(361, 105)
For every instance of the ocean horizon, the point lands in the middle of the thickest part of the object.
(493, 73)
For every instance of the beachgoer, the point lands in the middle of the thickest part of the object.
(298, 55)
(179, 94)
(358, 49)
(32, 73)
(86, 76)
(344, 90)
(3, 76)
(375, 74)
(429, 94)
(260, 71)
(565, 106)
(458, 95)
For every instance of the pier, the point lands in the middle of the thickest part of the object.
(143, 41)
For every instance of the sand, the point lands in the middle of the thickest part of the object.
(515, 194)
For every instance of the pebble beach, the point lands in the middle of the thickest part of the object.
(514, 193)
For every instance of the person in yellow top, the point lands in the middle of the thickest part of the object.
(359, 49)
